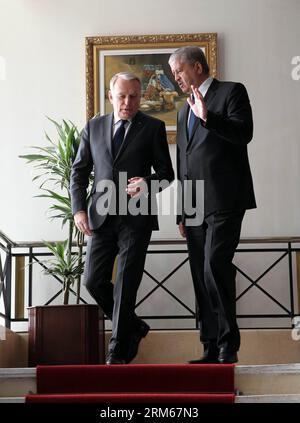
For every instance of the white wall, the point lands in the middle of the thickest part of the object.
(43, 45)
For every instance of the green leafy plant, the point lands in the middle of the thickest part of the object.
(67, 267)
(52, 165)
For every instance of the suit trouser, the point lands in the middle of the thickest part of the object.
(211, 248)
(117, 300)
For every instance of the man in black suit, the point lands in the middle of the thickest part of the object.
(122, 147)
(214, 128)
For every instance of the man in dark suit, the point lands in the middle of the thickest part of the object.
(122, 148)
(214, 128)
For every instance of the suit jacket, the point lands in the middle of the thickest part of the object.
(217, 151)
(145, 146)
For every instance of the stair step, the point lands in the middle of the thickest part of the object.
(17, 382)
(291, 398)
(258, 347)
(12, 400)
(240, 399)
(280, 379)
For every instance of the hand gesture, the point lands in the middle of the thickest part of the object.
(197, 104)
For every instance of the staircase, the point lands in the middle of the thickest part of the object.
(138, 383)
(268, 368)
(253, 384)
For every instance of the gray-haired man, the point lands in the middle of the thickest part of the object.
(214, 128)
(123, 142)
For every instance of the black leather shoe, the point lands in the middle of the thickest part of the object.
(135, 341)
(210, 356)
(114, 358)
(227, 357)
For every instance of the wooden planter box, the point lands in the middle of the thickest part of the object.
(66, 334)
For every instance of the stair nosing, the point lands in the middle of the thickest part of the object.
(265, 369)
(17, 372)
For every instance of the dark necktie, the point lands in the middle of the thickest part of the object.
(118, 138)
(191, 123)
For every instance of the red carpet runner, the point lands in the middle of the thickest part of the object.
(138, 383)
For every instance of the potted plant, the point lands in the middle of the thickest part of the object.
(62, 326)
(53, 165)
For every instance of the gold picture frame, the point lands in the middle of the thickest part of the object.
(147, 56)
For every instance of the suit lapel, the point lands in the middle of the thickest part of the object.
(211, 92)
(107, 131)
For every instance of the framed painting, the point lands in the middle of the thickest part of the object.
(146, 56)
